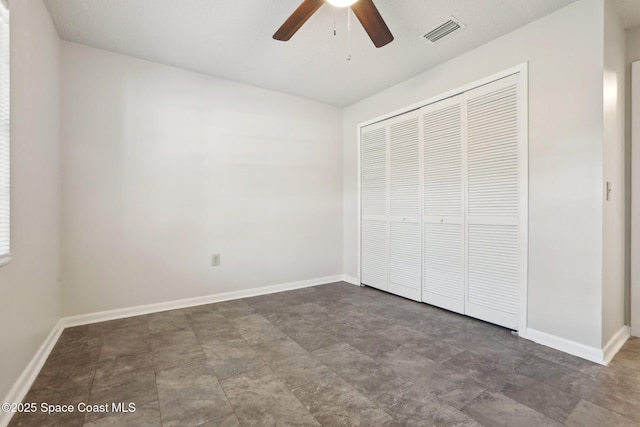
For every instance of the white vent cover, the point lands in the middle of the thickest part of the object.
(449, 26)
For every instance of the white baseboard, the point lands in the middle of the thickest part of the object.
(615, 343)
(351, 279)
(593, 354)
(28, 376)
(102, 316)
(601, 356)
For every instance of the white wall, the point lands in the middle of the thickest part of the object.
(564, 51)
(614, 210)
(30, 301)
(164, 167)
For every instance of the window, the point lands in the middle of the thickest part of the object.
(4, 134)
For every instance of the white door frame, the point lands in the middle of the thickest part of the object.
(635, 199)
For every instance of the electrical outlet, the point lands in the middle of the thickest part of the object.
(215, 260)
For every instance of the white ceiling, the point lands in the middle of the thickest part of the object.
(232, 39)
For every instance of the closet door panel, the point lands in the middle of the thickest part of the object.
(404, 206)
(405, 260)
(443, 231)
(374, 172)
(374, 221)
(404, 166)
(493, 211)
(374, 253)
(492, 290)
(444, 266)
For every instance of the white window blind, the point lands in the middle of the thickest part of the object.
(4, 132)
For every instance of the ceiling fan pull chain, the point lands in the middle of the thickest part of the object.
(334, 21)
(348, 34)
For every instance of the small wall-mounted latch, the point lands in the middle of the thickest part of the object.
(608, 197)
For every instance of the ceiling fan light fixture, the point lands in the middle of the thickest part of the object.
(341, 3)
(366, 12)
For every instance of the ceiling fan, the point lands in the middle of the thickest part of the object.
(365, 11)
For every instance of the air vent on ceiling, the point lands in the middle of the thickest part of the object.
(449, 26)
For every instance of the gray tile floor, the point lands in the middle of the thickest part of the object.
(332, 355)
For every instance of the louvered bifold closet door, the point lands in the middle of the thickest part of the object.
(374, 193)
(493, 211)
(443, 227)
(404, 206)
